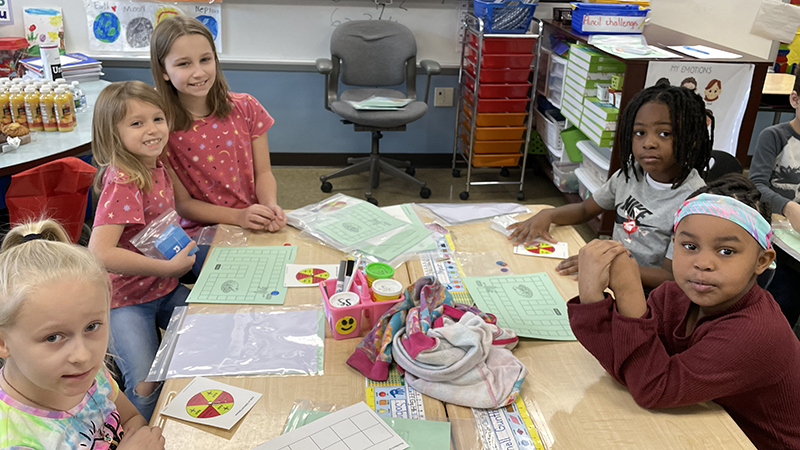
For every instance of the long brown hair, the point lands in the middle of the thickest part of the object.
(109, 110)
(164, 35)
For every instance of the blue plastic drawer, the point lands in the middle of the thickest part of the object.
(603, 18)
(509, 16)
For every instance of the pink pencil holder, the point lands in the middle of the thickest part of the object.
(346, 321)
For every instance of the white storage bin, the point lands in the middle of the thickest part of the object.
(594, 160)
(587, 184)
(564, 176)
(549, 129)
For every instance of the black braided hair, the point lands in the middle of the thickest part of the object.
(690, 137)
(739, 187)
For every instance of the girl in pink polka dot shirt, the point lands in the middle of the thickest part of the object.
(129, 133)
(218, 152)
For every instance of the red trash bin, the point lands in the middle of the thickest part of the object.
(56, 190)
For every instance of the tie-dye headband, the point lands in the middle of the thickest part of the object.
(731, 209)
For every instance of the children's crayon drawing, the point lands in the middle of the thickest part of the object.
(126, 26)
(43, 25)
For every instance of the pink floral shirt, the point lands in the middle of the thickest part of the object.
(214, 159)
(123, 203)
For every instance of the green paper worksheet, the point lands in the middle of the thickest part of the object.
(243, 275)
(528, 304)
(357, 223)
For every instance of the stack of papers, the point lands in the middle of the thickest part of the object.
(381, 104)
(703, 52)
(74, 67)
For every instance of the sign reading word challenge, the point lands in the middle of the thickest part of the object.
(612, 24)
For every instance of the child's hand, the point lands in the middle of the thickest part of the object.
(568, 266)
(145, 438)
(595, 260)
(255, 217)
(182, 262)
(533, 228)
(279, 221)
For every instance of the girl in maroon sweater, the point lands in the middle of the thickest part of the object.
(712, 334)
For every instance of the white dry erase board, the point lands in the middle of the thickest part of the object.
(286, 31)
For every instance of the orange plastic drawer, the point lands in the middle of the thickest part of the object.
(500, 75)
(503, 45)
(495, 119)
(495, 160)
(495, 133)
(505, 90)
(500, 61)
(498, 105)
(496, 147)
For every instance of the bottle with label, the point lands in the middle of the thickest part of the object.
(5, 104)
(65, 110)
(51, 60)
(17, 100)
(80, 96)
(32, 110)
(47, 105)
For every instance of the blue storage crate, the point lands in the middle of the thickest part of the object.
(510, 16)
(604, 18)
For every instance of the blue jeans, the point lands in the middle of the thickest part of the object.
(134, 342)
(200, 258)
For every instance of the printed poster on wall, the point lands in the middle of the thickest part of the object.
(126, 26)
(725, 88)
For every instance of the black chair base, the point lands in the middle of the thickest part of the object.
(375, 164)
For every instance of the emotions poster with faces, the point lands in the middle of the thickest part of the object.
(126, 26)
(725, 89)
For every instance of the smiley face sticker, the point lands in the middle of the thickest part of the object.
(346, 325)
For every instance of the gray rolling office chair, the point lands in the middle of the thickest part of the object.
(374, 55)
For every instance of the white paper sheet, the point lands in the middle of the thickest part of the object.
(777, 21)
(210, 402)
(274, 342)
(457, 213)
(354, 428)
(559, 250)
(703, 52)
(309, 275)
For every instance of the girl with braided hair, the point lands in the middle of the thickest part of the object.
(664, 147)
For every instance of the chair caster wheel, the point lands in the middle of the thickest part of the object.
(520, 196)
(372, 200)
(504, 172)
(464, 195)
(456, 173)
(425, 193)
(326, 186)
(411, 170)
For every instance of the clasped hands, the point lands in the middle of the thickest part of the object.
(262, 217)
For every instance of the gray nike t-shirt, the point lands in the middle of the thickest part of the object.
(645, 212)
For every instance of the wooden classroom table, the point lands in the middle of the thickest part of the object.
(339, 384)
(582, 405)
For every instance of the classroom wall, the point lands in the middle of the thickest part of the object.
(726, 22)
(303, 125)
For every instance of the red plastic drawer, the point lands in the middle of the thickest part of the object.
(505, 90)
(503, 45)
(500, 75)
(501, 61)
(498, 105)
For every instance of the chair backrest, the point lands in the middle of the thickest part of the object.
(722, 163)
(373, 52)
(57, 190)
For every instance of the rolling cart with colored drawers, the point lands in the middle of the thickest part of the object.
(494, 109)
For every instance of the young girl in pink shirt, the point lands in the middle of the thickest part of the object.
(129, 133)
(218, 151)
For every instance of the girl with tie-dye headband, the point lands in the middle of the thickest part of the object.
(712, 334)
